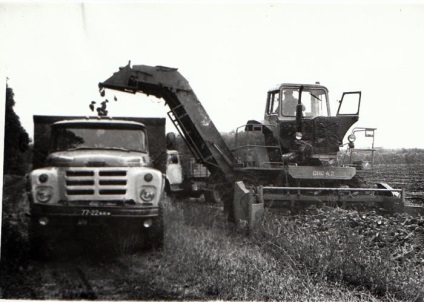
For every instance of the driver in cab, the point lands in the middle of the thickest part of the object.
(289, 103)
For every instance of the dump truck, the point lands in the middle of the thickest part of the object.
(187, 178)
(196, 181)
(96, 175)
(287, 159)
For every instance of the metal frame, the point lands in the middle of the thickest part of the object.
(343, 196)
(372, 149)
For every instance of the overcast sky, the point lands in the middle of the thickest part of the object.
(54, 55)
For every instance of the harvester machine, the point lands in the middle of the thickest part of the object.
(290, 159)
(297, 159)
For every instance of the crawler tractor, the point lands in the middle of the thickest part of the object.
(289, 159)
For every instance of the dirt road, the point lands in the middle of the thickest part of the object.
(85, 278)
(80, 270)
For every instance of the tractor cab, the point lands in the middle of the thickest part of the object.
(283, 100)
(302, 120)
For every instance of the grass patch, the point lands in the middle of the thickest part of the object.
(202, 259)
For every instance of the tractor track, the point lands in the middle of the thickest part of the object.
(85, 278)
(55, 280)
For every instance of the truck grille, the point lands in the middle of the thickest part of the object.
(95, 184)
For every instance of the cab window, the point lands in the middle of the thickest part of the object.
(314, 102)
(273, 102)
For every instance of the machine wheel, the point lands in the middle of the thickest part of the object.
(39, 249)
(227, 199)
(40, 246)
(213, 196)
(195, 194)
(155, 236)
(249, 179)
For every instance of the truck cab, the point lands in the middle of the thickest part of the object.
(97, 172)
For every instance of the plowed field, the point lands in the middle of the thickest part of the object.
(406, 176)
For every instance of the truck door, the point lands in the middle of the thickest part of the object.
(174, 172)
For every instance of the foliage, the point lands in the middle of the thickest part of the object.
(16, 140)
(390, 156)
(330, 254)
(399, 156)
(205, 259)
(367, 251)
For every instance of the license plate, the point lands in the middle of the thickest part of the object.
(310, 172)
(93, 212)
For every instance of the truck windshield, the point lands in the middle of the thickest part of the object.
(314, 102)
(67, 138)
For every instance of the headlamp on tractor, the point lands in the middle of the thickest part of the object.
(351, 138)
(298, 136)
(147, 194)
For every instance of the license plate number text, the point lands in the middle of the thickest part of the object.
(90, 212)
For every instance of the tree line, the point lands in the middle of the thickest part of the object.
(16, 156)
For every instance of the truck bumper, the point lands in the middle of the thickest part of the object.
(93, 211)
(45, 218)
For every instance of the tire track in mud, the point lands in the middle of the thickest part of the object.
(60, 280)
(90, 294)
(83, 278)
(124, 278)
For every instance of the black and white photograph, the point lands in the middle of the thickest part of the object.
(212, 150)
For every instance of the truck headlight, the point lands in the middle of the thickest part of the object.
(298, 135)
(351, 138)
(147, 193)
(44, 194)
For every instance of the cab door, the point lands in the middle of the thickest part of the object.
(174, 172)
(350, 104)
(348, 112)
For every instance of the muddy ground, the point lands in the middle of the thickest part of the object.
(85, 269)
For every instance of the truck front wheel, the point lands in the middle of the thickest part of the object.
(156, 233)
(40, 245)
(213, 196)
